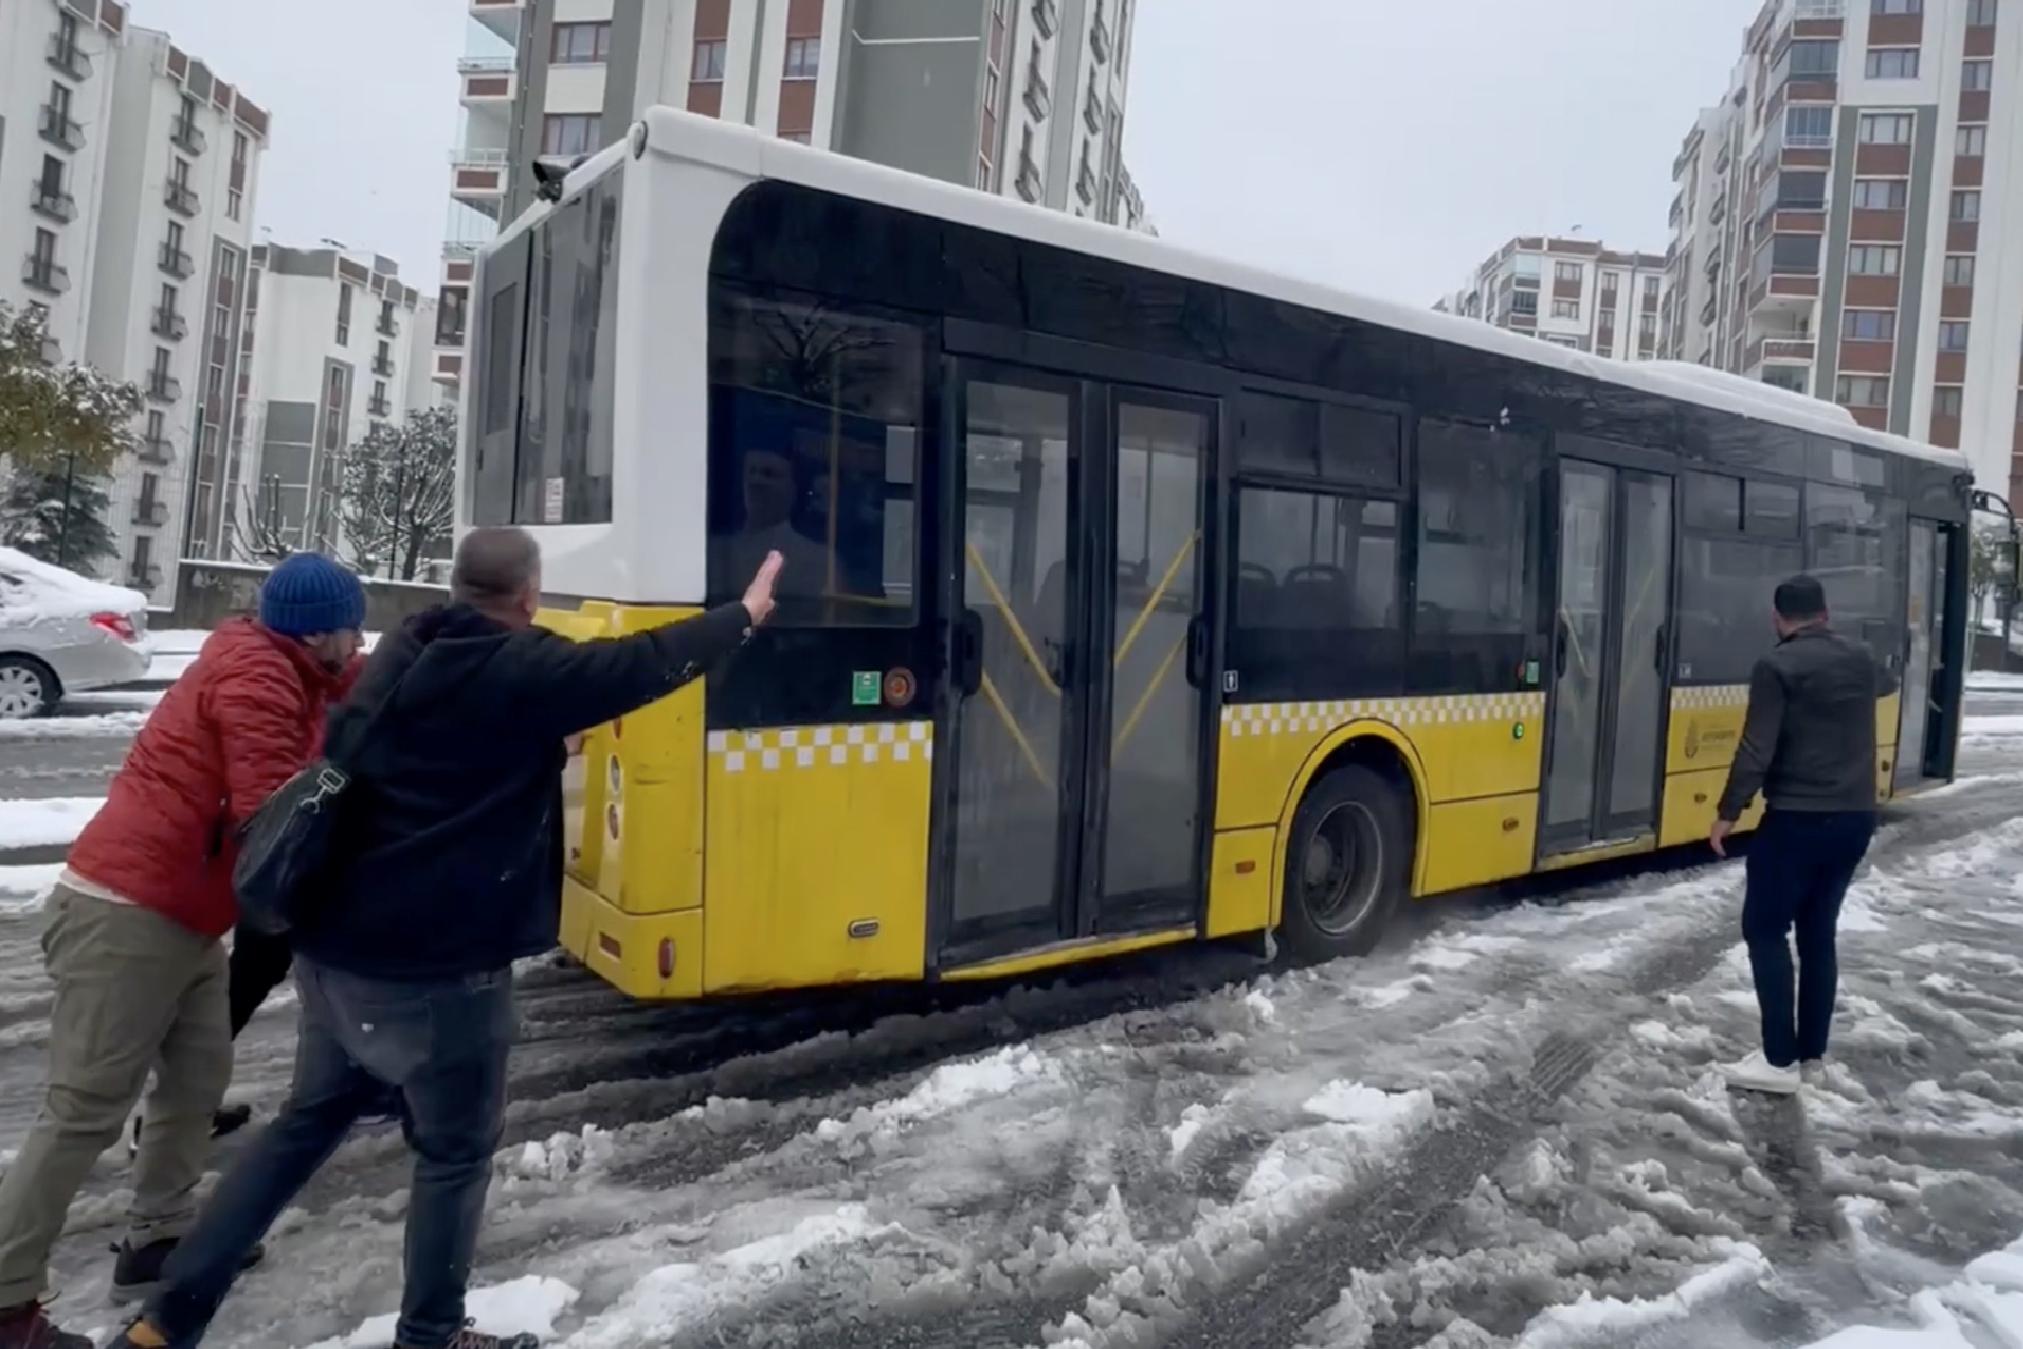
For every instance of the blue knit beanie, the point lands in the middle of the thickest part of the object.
(309, 594)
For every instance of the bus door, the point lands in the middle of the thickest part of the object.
(1610, 657)
(1070, 799)
(1920, 729)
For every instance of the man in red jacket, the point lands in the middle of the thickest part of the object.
(134, 928)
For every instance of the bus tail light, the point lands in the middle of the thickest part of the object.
(666, 958)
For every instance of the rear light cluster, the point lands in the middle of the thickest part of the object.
(119, 625)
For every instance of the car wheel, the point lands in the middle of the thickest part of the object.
(28, 688)
(1347, 866)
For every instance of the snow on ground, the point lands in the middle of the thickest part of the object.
(55, 822)
(93, 726)
(1994, 681)
(1505, 1128)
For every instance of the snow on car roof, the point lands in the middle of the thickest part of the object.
(51, 580)
(743, 150)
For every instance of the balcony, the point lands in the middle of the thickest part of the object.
(379, 406)
(66, 58)
(1046, 17)
(1099, 38)
(181, 198)
(185, 135)
(502, 17)
(1092, 111)
(151, 514)
(53, 203)
(1039, 95)
(1821, 9)
(175, 262)
(60, 129)
(383, 366)
(1085, 184)
(44, 275)
(1678, 211)
(169, 324)
(155, 450)
(488, 81)
(163, 387)
(1028, 182)
(388, 325)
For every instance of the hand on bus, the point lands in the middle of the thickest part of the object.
(759, 594)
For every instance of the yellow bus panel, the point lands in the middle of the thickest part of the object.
(817, 855)
(631, 951)
(1475, 842)
(1068, 953)
(1706, 728)
(1243, 890)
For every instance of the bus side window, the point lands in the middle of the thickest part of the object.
(1479, 559)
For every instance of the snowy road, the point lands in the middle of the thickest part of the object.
(1501, 1130)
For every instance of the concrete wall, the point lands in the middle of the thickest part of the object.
(211, 592)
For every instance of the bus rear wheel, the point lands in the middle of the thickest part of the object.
(1347, 865)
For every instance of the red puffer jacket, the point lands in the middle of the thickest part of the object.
(245, 717)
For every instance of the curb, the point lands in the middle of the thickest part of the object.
(47, 854)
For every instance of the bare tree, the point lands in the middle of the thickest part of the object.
(259, 532)
(399, 493)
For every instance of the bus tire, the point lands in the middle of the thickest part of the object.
(1348, 863)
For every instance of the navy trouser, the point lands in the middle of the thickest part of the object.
(1799, 865)
(443, 1045)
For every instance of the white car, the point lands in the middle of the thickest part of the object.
(63, 633)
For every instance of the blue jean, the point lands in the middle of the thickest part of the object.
(443, 1045)
(1800, 866)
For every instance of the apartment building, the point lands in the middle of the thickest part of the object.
(1021, 97)
(1849, 219)
(1571, 292)
(335, 343)
(138, 168)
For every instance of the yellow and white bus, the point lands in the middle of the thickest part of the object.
(1132, 597)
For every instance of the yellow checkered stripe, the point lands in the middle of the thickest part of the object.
(1710, 695)
(797, 747)
(1255, 719)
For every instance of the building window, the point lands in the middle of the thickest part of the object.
(804, 58)
(1869, 325)
(1647, 331)
(1815, 58)
(1611, 282)
(1948, 400)
(1880, 194)
(708, 66)
(1977, 77)
(1953, 336)
(1862, 391)
(1971, 142)
(572, 133)
(1967, 205)
(1893, 63)
(580, 44)
(1566, 273)
(1809, 126)
(1896, 6)
(1883, 128)
(1791, 377)
(1960, 269)
(344, 316)
(1525, 269)
(1566, 309)
(1874, 260)
(1524, 304)
(1981, 13)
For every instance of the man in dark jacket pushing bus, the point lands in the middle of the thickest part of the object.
(452, 869)
(1808, 744)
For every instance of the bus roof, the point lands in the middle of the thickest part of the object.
(740, 149)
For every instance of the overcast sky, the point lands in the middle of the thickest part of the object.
(1382, 145)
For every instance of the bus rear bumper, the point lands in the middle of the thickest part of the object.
(655, 957)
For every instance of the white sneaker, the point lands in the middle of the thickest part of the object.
(1756, 1073)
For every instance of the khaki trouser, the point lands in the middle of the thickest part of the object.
(135, 992)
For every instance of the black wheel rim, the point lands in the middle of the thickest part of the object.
(1341, 872)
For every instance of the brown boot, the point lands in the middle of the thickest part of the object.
(29, 1327)
(474, 1339)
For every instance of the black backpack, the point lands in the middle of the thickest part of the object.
(285, 847)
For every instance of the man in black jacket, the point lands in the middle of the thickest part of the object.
(452, 870)
(1808, 744)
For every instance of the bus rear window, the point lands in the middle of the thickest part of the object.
(562, 454)
(814, 428)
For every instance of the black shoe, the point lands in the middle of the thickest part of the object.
(137, 1274)
(29, 1327)
(475, 1339)
(230, 1119)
